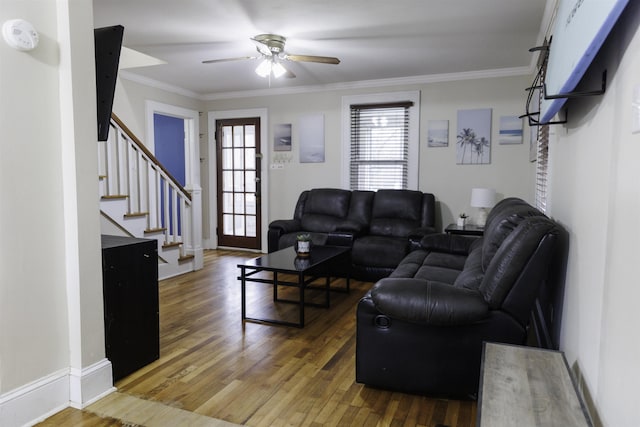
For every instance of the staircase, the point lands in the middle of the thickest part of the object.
(140, 198)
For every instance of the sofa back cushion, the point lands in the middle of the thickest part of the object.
(325, 209)
(360, 207)
(521, 261)
(396, 212)
(502, 223)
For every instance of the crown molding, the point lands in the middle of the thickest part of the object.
(363, 84)
(128, 75)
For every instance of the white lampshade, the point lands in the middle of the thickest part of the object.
(483, 197)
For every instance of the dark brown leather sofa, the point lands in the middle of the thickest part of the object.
(421, 329)
(380, 226)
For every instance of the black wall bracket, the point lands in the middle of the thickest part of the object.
(540, 85)
(578, 94)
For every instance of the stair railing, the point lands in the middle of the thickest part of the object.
(128, 169)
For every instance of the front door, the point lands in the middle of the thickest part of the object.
(238, 172)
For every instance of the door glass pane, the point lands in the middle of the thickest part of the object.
(238, 178)
(227, 137)
(238, 136)
(239, 203)
(239, 225)
(250, 182)
(227, 202)
(227, 181)
(250, 204)
(227, 160)
(227, 224)
(251, 226)
(250, 136)
(238, 158)
(250, 158)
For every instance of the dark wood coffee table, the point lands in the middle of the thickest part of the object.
(322, 262)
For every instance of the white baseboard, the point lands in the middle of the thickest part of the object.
(34, 402)
(89, 384)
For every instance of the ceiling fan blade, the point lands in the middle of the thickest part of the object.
(240, 58)
(289, 74)
(310, 58)
(262, 48)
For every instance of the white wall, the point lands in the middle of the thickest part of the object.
(129, 104)
(51, 319)
(595, 193)
(510, 172)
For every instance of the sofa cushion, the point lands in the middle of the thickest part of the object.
(378, 251)
(472, 273)
(421, 264)
(328, 201)
(360, 207)
(320, 223)
(396, 212)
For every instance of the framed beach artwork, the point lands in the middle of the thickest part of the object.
(473, 146)
(510, 130)
(438, 133)
(282, 137)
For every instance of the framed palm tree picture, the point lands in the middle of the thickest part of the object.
(473, 145)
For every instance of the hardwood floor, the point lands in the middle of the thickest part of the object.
(259, 375)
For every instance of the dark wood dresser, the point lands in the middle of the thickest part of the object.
(131, 309)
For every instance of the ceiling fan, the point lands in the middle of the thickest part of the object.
(271, 49)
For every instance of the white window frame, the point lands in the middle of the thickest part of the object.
(414, 131)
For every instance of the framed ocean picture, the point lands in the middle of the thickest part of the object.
(510, 130)
(438, 133)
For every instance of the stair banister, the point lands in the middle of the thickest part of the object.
(128, 169)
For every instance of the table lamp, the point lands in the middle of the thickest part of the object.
(483, 198)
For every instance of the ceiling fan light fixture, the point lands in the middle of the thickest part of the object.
(264, 68)
(278, 70)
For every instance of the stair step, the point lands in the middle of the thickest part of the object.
(114, 196)
(186, 258)
(171, 245)
(135, 214)
(155, 230)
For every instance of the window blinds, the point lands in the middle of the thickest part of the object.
(379, 146)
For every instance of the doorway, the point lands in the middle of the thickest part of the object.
(238, 176)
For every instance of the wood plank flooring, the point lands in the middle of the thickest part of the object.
(259, 375)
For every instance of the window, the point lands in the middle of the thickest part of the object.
(379, 146)
(380, 141)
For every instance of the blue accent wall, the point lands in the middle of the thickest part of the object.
(169, 144)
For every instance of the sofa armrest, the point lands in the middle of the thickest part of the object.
(338, 238)
(448, 243)
(285, 225)
(428, 302)
(416, 236)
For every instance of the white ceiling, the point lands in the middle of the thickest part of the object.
(374, 39)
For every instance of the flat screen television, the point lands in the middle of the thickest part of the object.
(580, 28)
(108, 42)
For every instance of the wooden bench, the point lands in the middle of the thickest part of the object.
(527, 386)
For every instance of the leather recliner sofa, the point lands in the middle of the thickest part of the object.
(421, 330)
(380, 226)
